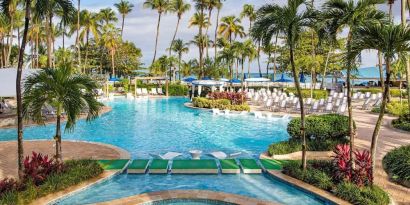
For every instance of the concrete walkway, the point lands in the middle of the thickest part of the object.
(71, 150)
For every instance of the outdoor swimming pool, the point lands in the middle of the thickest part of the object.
(157, 126)
(256, 186)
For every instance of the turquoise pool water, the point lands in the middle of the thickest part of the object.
(257, 186)
(157, 126)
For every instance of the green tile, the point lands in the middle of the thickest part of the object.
(194, 164)
(139, 164)
(159, 164)
(113, 164)
(249, 164)
(228, 164)
(271, 164)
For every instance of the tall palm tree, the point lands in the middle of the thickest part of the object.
(200, 41)
(248, 11)
(68, 92)
(162, 7)
(89, 24)
(124, 8)
(339, 14)
(210, 5)
(289, 21)
(200, 20)
(77, 40)
(10, 11)
(393, 40)
(27, 7)
(180, 8)
(179, 47)
(46, 9)
(107, 16)
(231, 25)
(218, 6)
(110, 38)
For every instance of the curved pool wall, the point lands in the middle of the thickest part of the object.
(145, 126)
(256, 186)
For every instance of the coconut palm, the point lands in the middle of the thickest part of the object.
(248, 11)
(11, 11)
(45, 9)
(124, 8)
(107, 16)
(200, 20)
(211, 5)
(180, 8)
(231, 25)
(288, 21)
(162, 7)
(89, 24)
(218, 5)
(200, 41)
(179, 47)
(77, 39)
(70, 93)
(392, 40)
(339, 14)
(111, 41)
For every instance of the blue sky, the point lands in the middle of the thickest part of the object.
(140, 26)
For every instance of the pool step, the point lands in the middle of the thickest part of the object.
(271, 164)
(138, 166)
(159, 166)
(229, 166)
(250, 166)
(113, 164)
(204, 166)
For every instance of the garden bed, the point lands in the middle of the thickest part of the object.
(402, 123)
(396, 164)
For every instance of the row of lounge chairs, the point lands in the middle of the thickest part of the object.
(153, 91)
(4, 107)
(217, 155)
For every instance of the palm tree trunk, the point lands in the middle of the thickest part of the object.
(11, 40)
(112, 63)
(322, 84)
(206, 33)
(302, 108)
(242, 78)
(86, 51)
(379, 56)
(156, 39)
(376, 131)
(349, 103)
(259, 58)
(249, 66)
(268, 63)
(403, 22)
(274, 56)
(48, 31)
(216, 33)
(179, 66)
(122, 24)
(58, 135)
(37, 45)
(20, 151)
(77, 41)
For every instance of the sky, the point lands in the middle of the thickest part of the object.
(140, 26)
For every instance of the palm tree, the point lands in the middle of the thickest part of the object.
(231, 25)
(11, 11)
(161, 6)
(111, 41)
(89, 24)
(248, 11)
(218, 6)
(393, 40)
(107, 16)
(339, 14)
(68, 92)
(289, 21)
(77, 40)
(200, 20)
(200, 41)
(46, 9)
(124, 8)
(179, 47)
(210, 5)
(20, 152)
(179, 7)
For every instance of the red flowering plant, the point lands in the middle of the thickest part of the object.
(235, 98)
(363, 170)
(342, 163)
(39, 167)
(9, 184)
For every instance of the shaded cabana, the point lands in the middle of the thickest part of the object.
(158, 79)
(212, 84)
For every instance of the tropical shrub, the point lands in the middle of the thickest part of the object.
(396, 163)
(342, 163)
(38, 167)
(394, 108)
(369, 195)
(290, 146)
(362, 174)
(7, 185)
(321, 127)
(75, 171)
(176, 89)
(317, 94)
(222, 104)
(233, 97)
(403, 122)
(394, 92)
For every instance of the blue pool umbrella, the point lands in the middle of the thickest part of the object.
(189, 80)
(283, 80)
(302, 78)
(235, 81)
(114, 79)
(206, 78)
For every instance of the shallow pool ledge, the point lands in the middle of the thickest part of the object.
(187, 194)
(308, 188)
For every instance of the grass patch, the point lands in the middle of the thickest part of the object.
(76, 171)
(397, 165)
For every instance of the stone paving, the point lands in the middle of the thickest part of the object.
(71, 150)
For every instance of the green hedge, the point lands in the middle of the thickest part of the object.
(329, 126)
(317, 94)
(291, 146)
(394, 108)
(76, 171)
(176, 89)
(319, 174)
(397, 165)
(403, 122)
(394, 92)
(222, 104)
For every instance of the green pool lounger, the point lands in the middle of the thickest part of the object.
(271, 164)
(158, 166)
(229, 166)
(250, 166)
(206, 166)
(138, 166)
(114, 164)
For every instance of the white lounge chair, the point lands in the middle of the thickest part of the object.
(329, 108)
(154, 91)
(139, 91)
(216, 111)
(144, 91)
(167, 156)
(160, 91)
(258, 114)
(342, 109)
(223, 155)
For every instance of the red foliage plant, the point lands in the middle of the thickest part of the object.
(363, 170)
(9, 184)
(235, 98)
(39, 167)
(342, 162)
